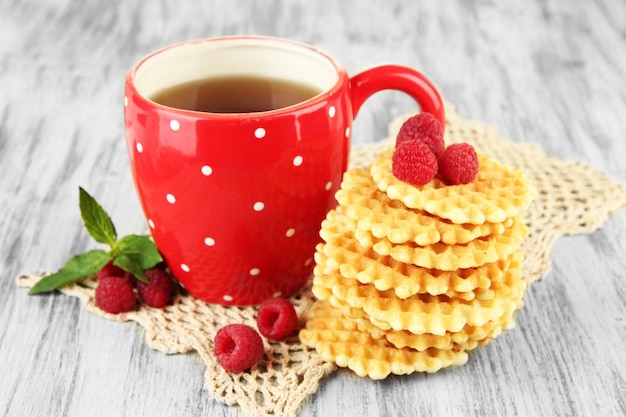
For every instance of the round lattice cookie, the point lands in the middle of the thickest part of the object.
(468, 338)
(385, 273)
(342, 252)
(476, 253)
(497, 193)
(338, 339)
(329, 258)
(422, 313)
(440, 256)
(376, 213)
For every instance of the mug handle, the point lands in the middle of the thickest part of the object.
(396, 77)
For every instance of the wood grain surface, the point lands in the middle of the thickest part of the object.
(549, 72)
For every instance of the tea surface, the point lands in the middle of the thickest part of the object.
(237, 94)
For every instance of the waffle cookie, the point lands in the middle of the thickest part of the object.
(419, 280)
(477, 252)
(450, 257)
(343, 252)
(466, 339)
(338, 339)
(422, 313)
(371, 209)
(410, 278)
(497, 193)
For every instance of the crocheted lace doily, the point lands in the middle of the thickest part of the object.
(572, 198)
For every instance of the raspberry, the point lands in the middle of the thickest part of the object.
(110, 270)
(161, 265)
(277, 319)
(158, 292)
(238, 347)
(424, 127)
(115, 295)
(458, 164)
(414, 163)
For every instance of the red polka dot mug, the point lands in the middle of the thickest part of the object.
(234, 198)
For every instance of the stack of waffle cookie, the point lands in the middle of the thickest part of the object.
(410, 278)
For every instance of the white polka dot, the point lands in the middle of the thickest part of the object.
(170, 198)
(174, 125)
(228, 298)
(332, 111)
(328, 186)
(258, 206)
(297, 161)
(125, 101)
(348, 131)
(290, 232)
(255, 271)
(277, 294)
(260, 133)
(209, 241)
(308, 262)
(185, 267)
(139, 147)
(151, 223)
(206, 170)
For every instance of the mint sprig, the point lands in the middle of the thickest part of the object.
(132, 253)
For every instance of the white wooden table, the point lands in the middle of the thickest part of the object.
(545, 72)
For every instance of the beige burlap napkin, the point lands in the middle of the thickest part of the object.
(572, 198)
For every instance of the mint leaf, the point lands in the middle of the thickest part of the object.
(77, 268)
(135, 254)
(97, 221)
(141, 247)
(131, 264)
